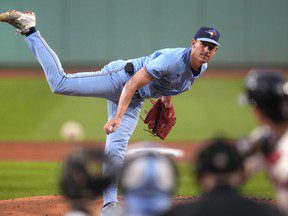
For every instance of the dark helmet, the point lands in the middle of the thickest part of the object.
(268, 90)
(219, 157)
(82, 176)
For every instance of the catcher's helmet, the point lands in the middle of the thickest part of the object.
(268, 90)
(82, 176)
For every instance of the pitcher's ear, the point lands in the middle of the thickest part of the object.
(193, 42)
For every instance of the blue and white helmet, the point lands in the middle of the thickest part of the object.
(147, 181)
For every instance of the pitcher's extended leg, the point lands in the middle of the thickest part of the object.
(116, 143)
(95, 84)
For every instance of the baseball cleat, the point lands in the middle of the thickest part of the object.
(112, 209)
(21, 21)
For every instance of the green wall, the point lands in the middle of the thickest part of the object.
(92, 32)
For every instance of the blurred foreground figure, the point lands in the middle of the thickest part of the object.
(82, 180)
(267, 93)
(147, 181)
(219, 171)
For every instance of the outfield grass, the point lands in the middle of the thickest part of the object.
(29, 111)
(25, 179)
(259, 185)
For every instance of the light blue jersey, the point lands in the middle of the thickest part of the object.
(171, 70)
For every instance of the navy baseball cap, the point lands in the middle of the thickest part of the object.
(208, 34)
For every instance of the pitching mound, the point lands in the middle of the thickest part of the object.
(56, 205)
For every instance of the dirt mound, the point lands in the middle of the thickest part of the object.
(56, 205)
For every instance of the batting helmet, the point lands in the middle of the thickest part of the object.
(82, 176)
(268, 90)
(147, 181)
(150, 170)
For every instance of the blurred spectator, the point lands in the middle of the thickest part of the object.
(219, 171)
(147, 182)
(267, 93)
(82, 180)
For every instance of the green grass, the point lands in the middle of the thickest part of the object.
(259, 185)
(25, 179)
(29, 111)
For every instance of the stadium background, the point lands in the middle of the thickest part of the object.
(87, 34)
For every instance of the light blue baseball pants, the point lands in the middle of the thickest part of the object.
(106, 83)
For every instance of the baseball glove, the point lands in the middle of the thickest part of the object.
(160, 119)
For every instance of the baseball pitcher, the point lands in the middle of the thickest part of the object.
(124, 83)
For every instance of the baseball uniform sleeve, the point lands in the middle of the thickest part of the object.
(160, 66)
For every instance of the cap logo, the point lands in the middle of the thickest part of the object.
(220, 160)
(212, 33)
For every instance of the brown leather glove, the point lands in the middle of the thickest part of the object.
(160, 119)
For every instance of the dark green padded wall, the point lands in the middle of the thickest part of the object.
(92, 32)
